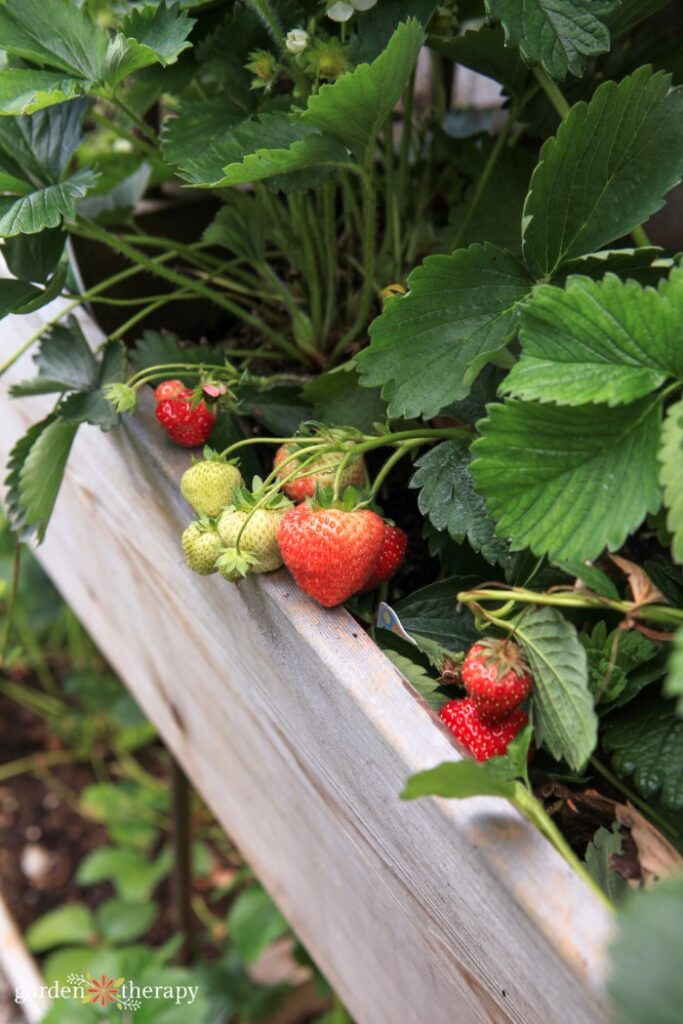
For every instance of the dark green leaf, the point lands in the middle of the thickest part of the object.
(564, 719)
(605, 845)
(40, 147)
(118, 203)
(610, 341)
(419, 677)
(593, 578)
(311, 150)
(160, 30)
(338, 398)
(646, 983)
(558, 34)
(429, 346)
(647, 265)
(192, 138)
(647, 742)
(16, 512)
(628, 13)
(64, 362)
(374, 28)
(41, 473)
(433, 613)
(671, 472)
(459, 780)
(241, 228)
(155, 348)
(356, 106)
(280, 409)
(14, 295)
(674, 678)
(34, 257)
(448, 498)
(564, 484)
(606, 171)
(56, 34)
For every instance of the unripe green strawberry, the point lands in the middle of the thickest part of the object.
(201, 547)
(258, 546)
(259, 538)
(208, 485)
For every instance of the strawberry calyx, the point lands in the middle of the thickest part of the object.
(209, 454)
(259, 497)
(234, 564)
(352, 499)
(504, 653)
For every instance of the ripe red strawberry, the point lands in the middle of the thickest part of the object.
(482, 740)
(391, 555)
(496, 676)
(321, 472)
(187, 426)
(168, 389)
(330, 552)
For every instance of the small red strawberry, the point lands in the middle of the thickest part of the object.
(482, 740)
(320, 472)
(391, 555)
(168, 389)
(188, 426)
(330, 551)
(496, 676)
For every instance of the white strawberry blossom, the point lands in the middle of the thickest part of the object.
(339, 11)
(297, 40)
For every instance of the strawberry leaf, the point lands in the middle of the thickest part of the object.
(646, 983)
(671, 474)
(646, 742)
(612, 341)
(606, 171)
(355, 107)
(45, 207)
(431, 613)
(605, 845)
(567, 485)
(459, 780)
(558, 34)
(563, 714)
(429, 346)
(41, 471)
(448, 498)
(674, 680)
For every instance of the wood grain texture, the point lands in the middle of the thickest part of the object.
(299, 734)
(20, 969)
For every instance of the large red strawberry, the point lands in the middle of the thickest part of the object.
(496, 676)
(391, 555)
(330, 552)
(187, 425)
(482, 740)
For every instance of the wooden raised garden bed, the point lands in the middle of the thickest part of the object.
(300, 733)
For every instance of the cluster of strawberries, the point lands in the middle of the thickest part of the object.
(498, 680)
(333, 547)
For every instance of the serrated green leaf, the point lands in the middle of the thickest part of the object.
(14, 295)
(64, 362)
(564, 717)
(71, 924)
(155, 348)
(38, 148)
(564, 484)
(604, 845)
(674, 678)
(418, 677)
(610, 341)
(671, 474)
(429, 346)
(448, 498)
(54, 33)
(134, 876)
(593, 578)
(46, 207)
(159, 31)
(606, 171)
(646, 982)
(647, 743)
(432, 613)
(198, 126)
(16, 512)
(374, 28)
(40, 476)
(459, 780)
(24, 90)
(356, 106)
(241, 227)
(313, 150)
(628, 13)
(647, 265)
(558, 34)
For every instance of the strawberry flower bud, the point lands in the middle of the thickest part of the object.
(296, 40)
(214, 390)
(339, 11)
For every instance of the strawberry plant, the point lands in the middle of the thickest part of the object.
(496, 301)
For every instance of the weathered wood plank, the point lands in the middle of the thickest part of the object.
(299, 733)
